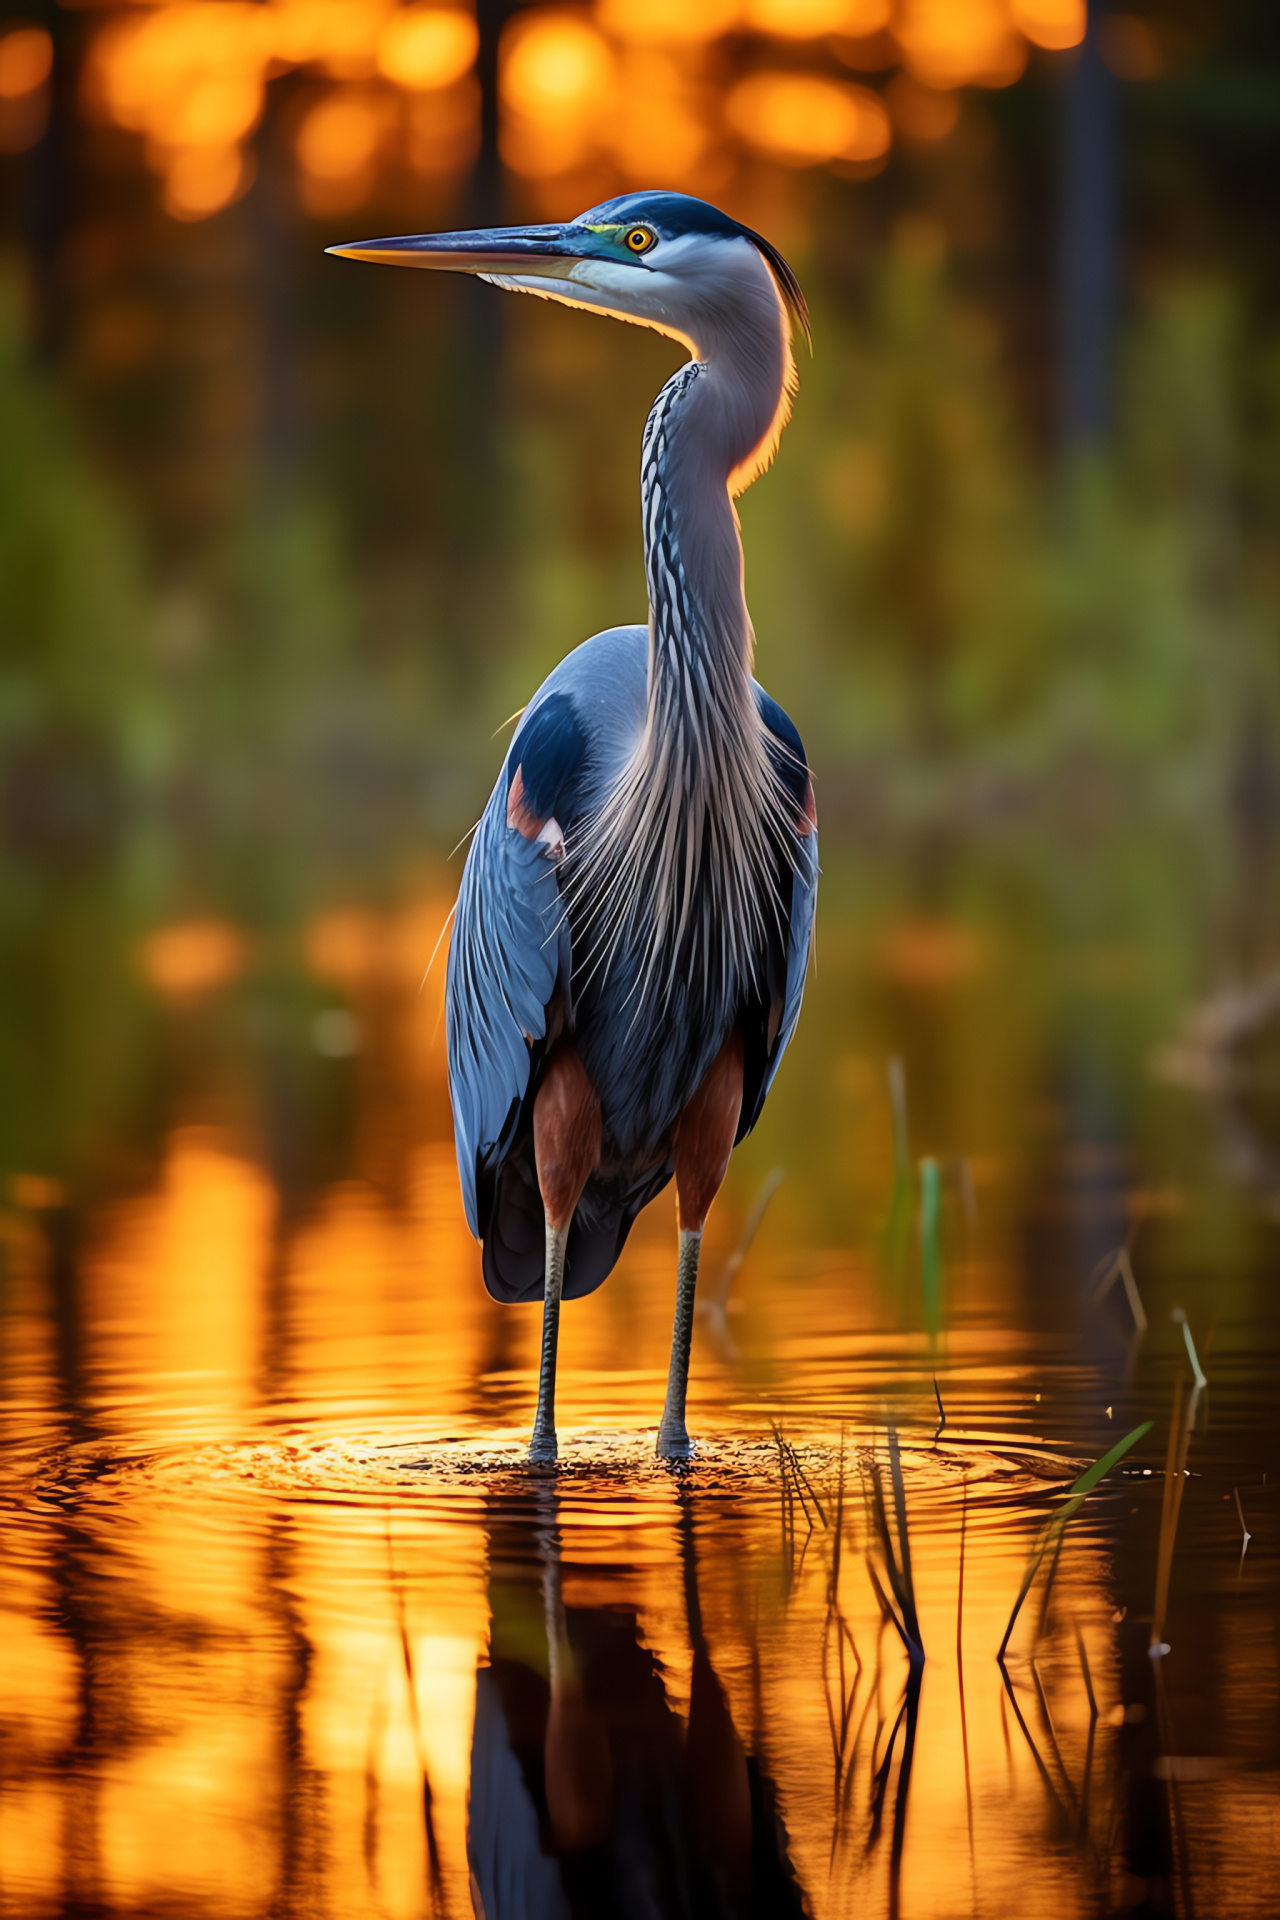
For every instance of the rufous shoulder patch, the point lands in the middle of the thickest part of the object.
(808, 821)
(520, 816)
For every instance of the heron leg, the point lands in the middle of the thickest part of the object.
(704, 1141)
(566, 1146)
(673, 1435)
(542, 1447)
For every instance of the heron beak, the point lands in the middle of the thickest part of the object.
(499, 250)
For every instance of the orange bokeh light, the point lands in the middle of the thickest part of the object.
(192, 957)
(803, 120)
(339, 145)
(424, 47)
(810, 19)
(576, 92)
(190, 74)
(558, 85)
(658, 130)
(340, 35)
(957, 43)
(340, 137)
(668, 22)
(26, 61)
(200, 181)
(555, 64)
(1055, 24)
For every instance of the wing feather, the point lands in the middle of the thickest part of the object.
(510, 948)
(793, 771)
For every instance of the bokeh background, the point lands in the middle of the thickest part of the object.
(284, 541)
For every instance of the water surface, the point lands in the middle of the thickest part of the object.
(289, 1627)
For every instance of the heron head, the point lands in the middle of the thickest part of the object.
(661, 260)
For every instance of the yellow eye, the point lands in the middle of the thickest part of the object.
(639, 239)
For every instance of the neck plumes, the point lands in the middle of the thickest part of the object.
(687, 845)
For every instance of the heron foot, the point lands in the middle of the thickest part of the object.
(543, 1448)
(674, 1442)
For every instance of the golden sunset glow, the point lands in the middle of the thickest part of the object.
(622, 92)
(307, 1471)
(960, 1600)
(176, 1288)
(802, 120)
(956, 43)
(425, 47)
(810, 19)
(1055, 24)
(668, 22)
(558, 87)
(299, 1488)
(191, 73)
(341, 37)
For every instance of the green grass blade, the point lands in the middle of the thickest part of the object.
(1077, 1494)
(1099, 1471)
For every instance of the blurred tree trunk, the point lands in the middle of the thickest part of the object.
(1087, 247)
(44, 192)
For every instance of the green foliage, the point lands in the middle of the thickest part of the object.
(961, 617)
(72, 606)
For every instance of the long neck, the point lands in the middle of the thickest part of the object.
(710, 425)
(678, 866)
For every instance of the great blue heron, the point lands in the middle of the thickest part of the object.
(635, 914)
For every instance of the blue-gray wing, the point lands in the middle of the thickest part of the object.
(804, 902)
(510, 956)
(798, 889)
(509, 949)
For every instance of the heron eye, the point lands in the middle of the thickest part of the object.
(639, 239)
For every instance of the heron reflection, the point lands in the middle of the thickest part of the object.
(589, 1795)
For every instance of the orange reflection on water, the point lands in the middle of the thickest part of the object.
(175, 1294)
(381, 1301)
(296, 1577)
(287, 1622)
